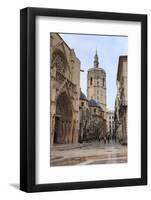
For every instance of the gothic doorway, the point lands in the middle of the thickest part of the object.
(63, 120)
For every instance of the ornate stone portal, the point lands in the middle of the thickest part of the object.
(64, 92)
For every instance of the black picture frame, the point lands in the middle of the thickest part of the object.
(28, 99)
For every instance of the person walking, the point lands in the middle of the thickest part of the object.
(104, 139)
(108, 139)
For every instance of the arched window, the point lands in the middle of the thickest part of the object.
(60, 64)
(103, 82)
(82, 103)
(91, 81)
(58, 60)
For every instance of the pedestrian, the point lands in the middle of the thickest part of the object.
(104, 139)
(108, 139)
(115, 138)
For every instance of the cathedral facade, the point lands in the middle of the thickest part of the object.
(64, 92)
(75, 117)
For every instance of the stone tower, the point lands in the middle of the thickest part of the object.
(96, 83)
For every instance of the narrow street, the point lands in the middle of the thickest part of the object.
(88, 153)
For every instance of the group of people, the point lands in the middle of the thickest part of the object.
(108, 139)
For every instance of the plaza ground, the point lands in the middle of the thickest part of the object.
(88, 153)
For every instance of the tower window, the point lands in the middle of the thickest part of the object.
(94, 110)
(91, 81)
(103, 82)
(82, 103)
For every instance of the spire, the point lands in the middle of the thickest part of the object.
(96, 60)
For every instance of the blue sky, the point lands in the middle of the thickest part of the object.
(109, 48)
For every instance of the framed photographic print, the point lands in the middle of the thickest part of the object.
(83, 99)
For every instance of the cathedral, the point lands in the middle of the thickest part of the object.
(75, 117)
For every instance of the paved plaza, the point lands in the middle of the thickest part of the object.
(88, 153)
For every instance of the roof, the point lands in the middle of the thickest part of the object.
(82, 96)
(93, 103)
(97, 69)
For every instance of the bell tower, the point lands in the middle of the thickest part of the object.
(96, 83)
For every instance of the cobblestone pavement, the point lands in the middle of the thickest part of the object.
(88, 153)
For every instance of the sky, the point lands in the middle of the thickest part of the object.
(109, 48)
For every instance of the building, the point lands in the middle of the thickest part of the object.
(93, 107)
(64, 87)
(74, 117)
(96, 83)
(110, 122)
(83, 116)
(121, 101)
(92, 122)
(97, 122)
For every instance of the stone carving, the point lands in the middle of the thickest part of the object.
(59, 64)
